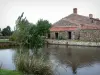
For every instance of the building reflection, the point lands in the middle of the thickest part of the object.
(76, 57)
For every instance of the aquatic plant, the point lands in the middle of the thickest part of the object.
(32, 65)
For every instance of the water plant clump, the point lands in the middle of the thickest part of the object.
(32, 65)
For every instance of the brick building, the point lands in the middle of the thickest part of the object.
(76, 27)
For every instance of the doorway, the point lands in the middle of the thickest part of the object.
(56, 35)
(69, 35)
(48, 35)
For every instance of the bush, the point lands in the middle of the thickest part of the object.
(32, 65)
(12, 38)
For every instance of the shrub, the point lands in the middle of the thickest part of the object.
(32, 65)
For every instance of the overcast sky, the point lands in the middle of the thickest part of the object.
(51, 10)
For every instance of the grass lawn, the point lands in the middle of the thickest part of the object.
(9, 72)
(4, 40)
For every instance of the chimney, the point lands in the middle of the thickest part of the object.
(75, 10)
(90, 16)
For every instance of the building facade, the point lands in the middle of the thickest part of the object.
(76, 27)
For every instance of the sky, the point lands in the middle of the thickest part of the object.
(51, 10)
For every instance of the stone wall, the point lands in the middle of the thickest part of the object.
(73, 43)
(64, 35)
(75, 35)
(83, 35)
(61, 35)
(52, 35)
(90, 35)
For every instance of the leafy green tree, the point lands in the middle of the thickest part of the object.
(43, 27)
(21, 30)
(30, 35)
(6, 31)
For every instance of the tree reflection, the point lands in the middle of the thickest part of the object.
(75, 57)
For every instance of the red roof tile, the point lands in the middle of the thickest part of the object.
(63, 28)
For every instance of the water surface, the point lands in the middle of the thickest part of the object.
(6, 59)
(71, 60)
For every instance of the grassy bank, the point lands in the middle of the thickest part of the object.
(9, 72)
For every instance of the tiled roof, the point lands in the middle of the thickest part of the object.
(83, 27)
(75, 19)
(64, 22)
(63, 28)
(74, 22)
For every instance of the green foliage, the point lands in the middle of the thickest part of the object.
(6, 31)
(43, 27)
(28, 34)
(35, 38)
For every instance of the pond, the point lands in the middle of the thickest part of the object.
(71, 60)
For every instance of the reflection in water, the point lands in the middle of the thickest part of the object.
(75, 57)
(66, 60)
(71, 62)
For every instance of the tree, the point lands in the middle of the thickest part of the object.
(30, 35)
(6, 31)
(43, 27)
(21, 30)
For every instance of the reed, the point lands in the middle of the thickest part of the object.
(32, 65)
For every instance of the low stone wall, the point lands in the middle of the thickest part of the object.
(7, 44)
(4, 37)
(75, 43)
